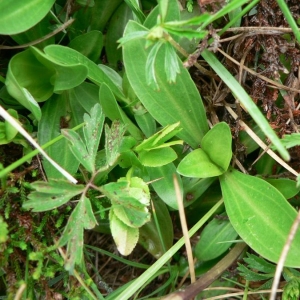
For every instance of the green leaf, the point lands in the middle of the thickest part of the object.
(157, 157)
(113, 141)
(259, 264)
(217, 145)
(172, 102)
(81, 218)
(89, 44)
(169, 10)
(50, 195)
(290, 140)
(159, 138)
(114, 112)
(285, 186)
(198, 164)
(124, 236)
(54, 111)
(68, 56)
(78, 148)
(215, 239)
(18, 15)
(37, 32)
(246, 101)
(114, 32)
(260, 215)
(164, 186)
(149, 237)
(3, 231)
(10, 131)
(129, 198)
(93, 129)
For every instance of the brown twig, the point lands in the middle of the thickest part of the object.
(209, 277)
(49, 35)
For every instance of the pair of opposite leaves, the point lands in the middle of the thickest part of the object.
(214, 156)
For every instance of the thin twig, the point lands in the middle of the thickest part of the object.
(46, 37)
(283, 255)
(278, 85)
(260, 30)
(259, 142)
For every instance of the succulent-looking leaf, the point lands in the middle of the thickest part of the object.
(261, 215)
(50, 195)
(124, 236)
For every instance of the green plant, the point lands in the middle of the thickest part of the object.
(109, 95)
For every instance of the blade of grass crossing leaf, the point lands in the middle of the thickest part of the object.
(142, 279)
(12, 121)
(246, 100)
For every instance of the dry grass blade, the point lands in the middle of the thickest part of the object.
(283, 256)
(185, 230)
(260, 142)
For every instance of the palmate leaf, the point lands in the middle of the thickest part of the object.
(86, 152)
(81, 218)
(52, 194)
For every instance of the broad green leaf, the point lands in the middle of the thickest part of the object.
(78, 148)
(157, 157)
(18, 15)
(194, 188)
(33, 78)
(92, 130)
(159, 138)
(149, 237)
(68, 56)
(81, 218)
(37, 32)
(172, 102)
(215, 239)
(146, 123)
(89, 44)
(169, 10)
(163, 183)
(261, 215)
(198, 164)
(217, 145)
(113, 141)
(134, 6)
(115, 31)
(54, 111)
(114, 112)
(96, 17)
(285, 186)
(50, 195)
(124, 236)
(246, 101)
